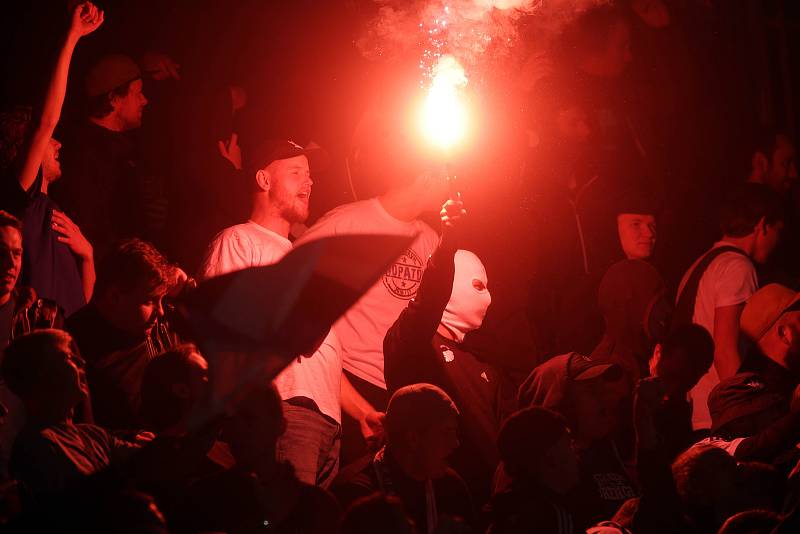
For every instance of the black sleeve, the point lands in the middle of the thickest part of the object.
(410, 335)
(770, 442)
(358, 486)
(659, 507)
(13, 198)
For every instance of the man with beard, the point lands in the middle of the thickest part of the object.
(774, 162)
(310, 387)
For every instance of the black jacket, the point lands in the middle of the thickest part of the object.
(414, 353)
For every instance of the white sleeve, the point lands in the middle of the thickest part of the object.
(227, 253)
(727, 446)
(736, 281)
(332, 341)
(325, 227)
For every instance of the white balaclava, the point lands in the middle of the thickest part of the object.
(468, 304)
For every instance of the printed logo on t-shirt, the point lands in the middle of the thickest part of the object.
(403, 277)
(447, 354)
(613, 487)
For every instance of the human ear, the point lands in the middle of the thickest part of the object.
(655, 358)
(262, 179)
(786, 335)
(760, 163)
(113, 100)
(761, 226)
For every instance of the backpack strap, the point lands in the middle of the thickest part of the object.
(684, 309)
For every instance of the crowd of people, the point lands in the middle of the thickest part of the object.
(650, 405)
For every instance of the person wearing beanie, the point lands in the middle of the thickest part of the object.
(102, 156)
(426, 344)
(540, 459)
(421, 433)
(636, 225)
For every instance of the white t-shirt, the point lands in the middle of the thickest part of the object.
(361, 330)
(728, 446)
(317, 377)
(728, 281)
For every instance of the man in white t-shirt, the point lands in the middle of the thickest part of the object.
(362, 328)
(723, 279)
(310, 387)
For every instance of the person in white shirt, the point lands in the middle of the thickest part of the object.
(310, 387)
(714, 290)
(401, 182)
(362, 328)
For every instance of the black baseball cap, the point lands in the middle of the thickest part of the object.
(580, 368)
(277, 149)
(741, 395)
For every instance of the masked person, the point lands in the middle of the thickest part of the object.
(425, 344)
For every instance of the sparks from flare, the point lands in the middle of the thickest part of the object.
(444, 113)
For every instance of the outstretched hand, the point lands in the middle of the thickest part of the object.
(86, 18)
(231, 151)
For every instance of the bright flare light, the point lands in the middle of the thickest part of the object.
(444, 112)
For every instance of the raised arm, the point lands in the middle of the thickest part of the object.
(407, 342)
(85, 19)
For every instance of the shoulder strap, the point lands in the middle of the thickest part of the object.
(684, 309)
